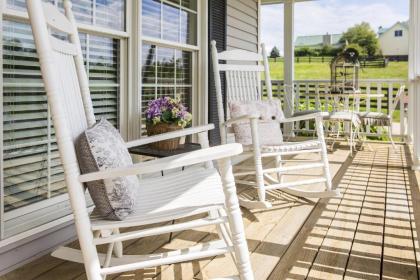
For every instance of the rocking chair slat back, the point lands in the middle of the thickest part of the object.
(63, 46)
(70, 94)
(65, 83)
(65, 60)
(240, 55)
(243, 71)
(242, 85)
(57, 20)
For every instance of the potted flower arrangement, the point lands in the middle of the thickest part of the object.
(166, 114)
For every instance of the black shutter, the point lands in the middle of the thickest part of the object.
(217, 32)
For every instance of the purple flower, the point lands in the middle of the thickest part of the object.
(168, 110)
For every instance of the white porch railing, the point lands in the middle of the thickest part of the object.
(308, 95)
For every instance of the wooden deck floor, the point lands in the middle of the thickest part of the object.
(368, 233)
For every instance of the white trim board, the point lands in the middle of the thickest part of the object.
(31, 248)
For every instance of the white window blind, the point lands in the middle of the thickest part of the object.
(32, 172)
(103, 13)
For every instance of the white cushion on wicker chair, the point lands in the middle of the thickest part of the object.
(288, 146)
(375, 118)
(160, 198)
(344, 116)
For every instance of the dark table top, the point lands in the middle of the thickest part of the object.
(148, 151)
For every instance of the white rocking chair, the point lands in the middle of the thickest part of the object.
(243, 73)
(191, 192)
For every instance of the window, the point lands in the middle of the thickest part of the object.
(398, 33)
(169, 49)
(32, 187)
(32, 180)
(103, 13)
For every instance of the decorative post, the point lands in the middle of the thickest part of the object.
(289, 57)
(235, 220)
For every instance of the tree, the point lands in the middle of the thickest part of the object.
(358, 48)
(362, 35)
(275, 52)
(305, 51)
(329, 51)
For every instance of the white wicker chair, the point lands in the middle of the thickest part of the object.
(174, 196)
(344, 120)
(243, 73)
(384, 119)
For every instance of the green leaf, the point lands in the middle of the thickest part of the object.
(167, 117)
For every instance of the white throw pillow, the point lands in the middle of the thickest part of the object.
(269, 113)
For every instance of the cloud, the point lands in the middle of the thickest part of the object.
(332, 16)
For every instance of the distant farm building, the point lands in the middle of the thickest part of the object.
(393, 41)
(318, 41)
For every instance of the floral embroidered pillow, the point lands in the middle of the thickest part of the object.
(99, 148)
(269, 113)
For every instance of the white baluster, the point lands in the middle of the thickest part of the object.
(235, 220)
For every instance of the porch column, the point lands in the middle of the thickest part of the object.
(414, 81)
(289, 58)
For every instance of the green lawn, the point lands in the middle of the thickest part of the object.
(321, 71)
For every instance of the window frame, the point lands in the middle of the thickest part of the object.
(398, 33)
(199, 66)
(130, 93)
(2, 5)
(123, 37)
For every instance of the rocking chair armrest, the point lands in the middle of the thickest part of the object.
(170, 135)
(240, 119)
(186, 159)
(303, 117)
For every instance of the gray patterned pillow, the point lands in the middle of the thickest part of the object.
(101, 147)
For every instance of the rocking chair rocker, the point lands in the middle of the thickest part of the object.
(199, 190)
(243, 73)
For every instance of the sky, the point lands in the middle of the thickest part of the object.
(332, 16)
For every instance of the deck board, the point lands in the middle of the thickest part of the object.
(332, 256)
(366, 251)
(399, 258)
(368, 233)
(356, 238)
(318, 232)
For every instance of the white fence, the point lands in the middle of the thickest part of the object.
(309, 95)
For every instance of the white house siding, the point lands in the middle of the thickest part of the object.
(394, 46)
(242, 25)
